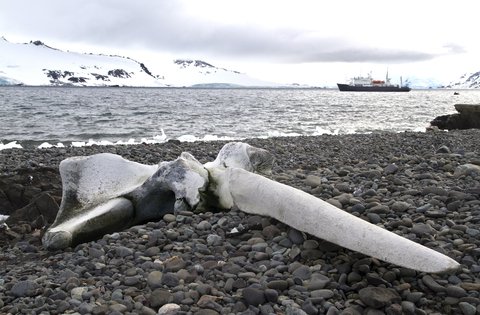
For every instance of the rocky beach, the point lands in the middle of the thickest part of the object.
(422, 186)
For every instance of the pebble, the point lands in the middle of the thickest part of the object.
(467, 308)
(322, 293)
(278, 285)
(378, 297)
(24, 288)
(432, 284)
(169, 309)
(455, 291)
(253, 296)
(400, 206)
(154, 279)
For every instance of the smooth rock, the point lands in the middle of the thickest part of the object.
(378, 297)
(432, 284)
(25, 288)
(253, 296)
(169, 309)
(154, 279)
(279, 285)
(400, 206)
(467, 308)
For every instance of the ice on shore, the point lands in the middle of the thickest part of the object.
(3, 218)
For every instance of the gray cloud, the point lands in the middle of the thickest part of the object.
(455, 49)
(359, 54)
(164, 26)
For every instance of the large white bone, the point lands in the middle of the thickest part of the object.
(91, 180)
(104, 193)
(256, 194)
(90, 205)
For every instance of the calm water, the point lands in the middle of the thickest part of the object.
(32, 115)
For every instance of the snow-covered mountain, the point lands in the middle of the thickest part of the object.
(197, 73)
(38, 64)
(35, 63)
(466, 81)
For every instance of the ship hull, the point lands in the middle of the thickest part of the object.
(363, 88)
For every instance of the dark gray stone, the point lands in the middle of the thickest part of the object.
(303, 272)
(455, 291)
(467, 308)
(295, 236)
(253, 296)
(170, 279)
(154, 279)
(271, 295)
(378, 297)
(279, 285)
(25, 288)
(123, 251)
(432, 284)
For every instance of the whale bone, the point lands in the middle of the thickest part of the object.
(176, 185)
(256, 194)
(244, 156)
(104, 193)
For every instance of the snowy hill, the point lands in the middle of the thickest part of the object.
(38, 64)
(35, 63)
(197, 73)
(466, 81)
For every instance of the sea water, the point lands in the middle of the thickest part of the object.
(60, 116)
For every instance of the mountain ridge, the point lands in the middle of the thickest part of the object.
(37, 64)
(466, 81)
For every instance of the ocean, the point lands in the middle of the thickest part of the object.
(61, 116)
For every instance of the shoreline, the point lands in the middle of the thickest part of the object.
(162, 139)
(403, 182)
(158, 140)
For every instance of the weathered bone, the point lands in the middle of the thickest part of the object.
(256, 194)
(105, 193)
(176, 184)
(244, 156)
(90, 205)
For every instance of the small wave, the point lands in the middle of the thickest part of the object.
(10, 145)
(275, 133)
(153, 140)
(3, 218)
(324, 131)
(192, 138)
(47, 145)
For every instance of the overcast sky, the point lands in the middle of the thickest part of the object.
(312, 42)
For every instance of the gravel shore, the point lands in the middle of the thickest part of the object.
(408, 183)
